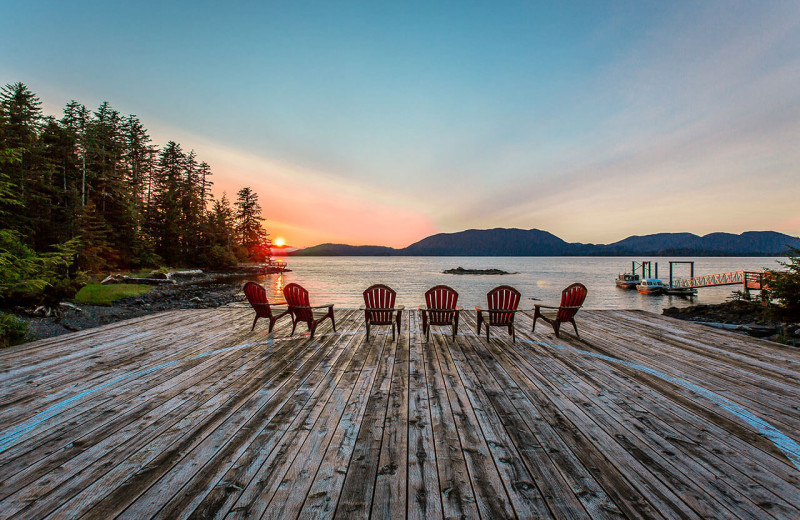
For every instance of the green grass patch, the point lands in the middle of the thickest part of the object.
(98, 294)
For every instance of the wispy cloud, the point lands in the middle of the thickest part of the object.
(705, 138)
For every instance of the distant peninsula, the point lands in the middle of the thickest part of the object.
(535, 242)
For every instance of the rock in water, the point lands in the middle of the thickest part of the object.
(461, 270)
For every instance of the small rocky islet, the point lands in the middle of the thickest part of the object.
(461, 270)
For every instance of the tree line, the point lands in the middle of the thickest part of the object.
(88, 191)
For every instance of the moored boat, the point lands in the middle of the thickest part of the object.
(627, 281)
(651, 286)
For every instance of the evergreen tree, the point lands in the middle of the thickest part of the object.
(784, 285)
(191, 204)
(74, 122)
(165, 213)
(137, 160)
(216, 250)
(253, 239)
(60, 210)
(21, 120)
(205, 185)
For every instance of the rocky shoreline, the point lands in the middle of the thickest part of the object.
(740, 316)
(204, 291)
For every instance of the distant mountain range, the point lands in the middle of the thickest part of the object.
(535, 242)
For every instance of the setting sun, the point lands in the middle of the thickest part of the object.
(279, 242)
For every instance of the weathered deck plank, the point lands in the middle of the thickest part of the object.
(189, 414)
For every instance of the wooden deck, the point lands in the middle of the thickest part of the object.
(188, 414)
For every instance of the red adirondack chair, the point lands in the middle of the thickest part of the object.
(502, 302)
(440, 309)
(302, 310)
(379, 308)
(571, 300)
(257, 296)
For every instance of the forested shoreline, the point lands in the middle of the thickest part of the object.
(88, 191)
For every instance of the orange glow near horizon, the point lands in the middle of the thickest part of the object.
(315, 211)
(279, 242)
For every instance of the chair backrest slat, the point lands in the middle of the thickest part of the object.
(441, 297)
(257, 296)
(572, 296)
(503, 297)
(296, 295)
(379, 296)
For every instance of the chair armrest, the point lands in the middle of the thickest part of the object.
(457, 309)
(311, 306)
(558, 306)
(499, 311)
(382, 309)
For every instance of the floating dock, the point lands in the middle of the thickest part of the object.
(189, 414)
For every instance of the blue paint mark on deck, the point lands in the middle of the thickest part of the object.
(11, 437)
(785, 444)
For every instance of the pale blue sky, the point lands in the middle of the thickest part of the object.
(369, 122)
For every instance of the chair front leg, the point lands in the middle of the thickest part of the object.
(480, 321)
(333, 319)
(399, 318)
(576, 328)
(535, 317)
(272, 320)
(254, 324)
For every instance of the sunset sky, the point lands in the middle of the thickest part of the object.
(384, 122)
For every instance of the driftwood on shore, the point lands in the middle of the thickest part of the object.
(461, 270)
(119, 278)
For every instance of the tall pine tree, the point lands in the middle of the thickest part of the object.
(253, 239)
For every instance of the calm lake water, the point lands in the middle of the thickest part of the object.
(342, 280)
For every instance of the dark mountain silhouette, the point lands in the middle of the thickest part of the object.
(491, 242)
(755, 243)
(535, 242)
